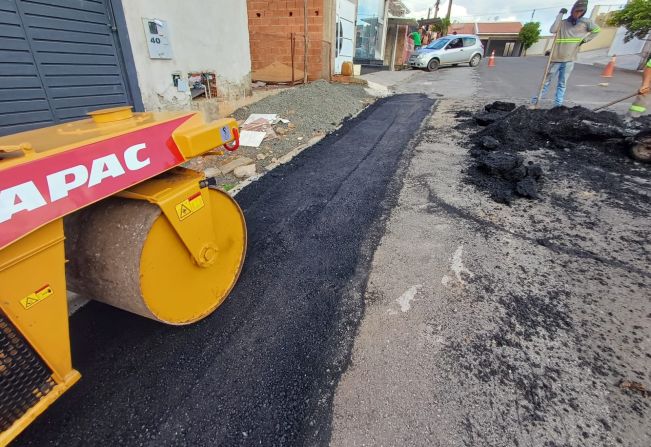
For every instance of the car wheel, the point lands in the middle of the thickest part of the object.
(474, 61)
(433, 65)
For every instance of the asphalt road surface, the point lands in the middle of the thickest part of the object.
(519, 78)
(495, 325)
(263, 368)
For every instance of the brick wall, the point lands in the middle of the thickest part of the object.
(271, 24)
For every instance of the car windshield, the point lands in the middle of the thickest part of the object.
(438, 44)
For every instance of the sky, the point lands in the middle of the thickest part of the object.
(510, 10)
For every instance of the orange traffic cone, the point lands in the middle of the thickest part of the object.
(491, 60)
(610, 68)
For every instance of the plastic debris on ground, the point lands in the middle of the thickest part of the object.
(251, 138)
(257, 127)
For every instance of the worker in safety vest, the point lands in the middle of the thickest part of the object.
(571, 33)
(639, 106)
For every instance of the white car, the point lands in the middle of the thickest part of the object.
(449, 50)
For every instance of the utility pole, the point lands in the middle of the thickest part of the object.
(532, 14)
(436, 8)
(429, 11)
(305, 42)
(449, 10)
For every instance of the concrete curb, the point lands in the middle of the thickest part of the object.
(388, 88)
(377, 90)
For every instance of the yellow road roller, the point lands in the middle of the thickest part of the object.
(103, 207)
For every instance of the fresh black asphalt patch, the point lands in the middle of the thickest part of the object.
(263, 368)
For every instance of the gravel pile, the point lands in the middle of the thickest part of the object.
(318, 107)
(313, 109)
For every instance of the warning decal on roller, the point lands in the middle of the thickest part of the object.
(189, 206)
(36, 297)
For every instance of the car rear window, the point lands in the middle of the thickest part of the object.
(469, 41)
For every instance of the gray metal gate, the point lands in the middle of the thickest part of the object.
(58, 60)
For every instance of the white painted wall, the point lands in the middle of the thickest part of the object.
(603, 40)
(539, 48)
(620, 48)
(205, 35)
(385, 29)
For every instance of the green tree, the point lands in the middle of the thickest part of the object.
(529, 34)
(635, 17)
(442, 26)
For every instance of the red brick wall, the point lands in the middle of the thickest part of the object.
(271, 23)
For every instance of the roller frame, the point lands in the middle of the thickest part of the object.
(170, 190)
(32, 239)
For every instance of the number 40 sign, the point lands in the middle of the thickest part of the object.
(157, 35)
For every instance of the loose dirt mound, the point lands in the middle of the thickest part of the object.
(575, 139)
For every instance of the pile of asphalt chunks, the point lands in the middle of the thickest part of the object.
(508, 132)
(520, 178)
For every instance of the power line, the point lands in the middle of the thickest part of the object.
(449, 10)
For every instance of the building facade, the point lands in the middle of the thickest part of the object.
(208, 52)
(60, 60)
(501, 37)
(278, 30)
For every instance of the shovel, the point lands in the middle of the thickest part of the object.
(615, 102)
(549, 62)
